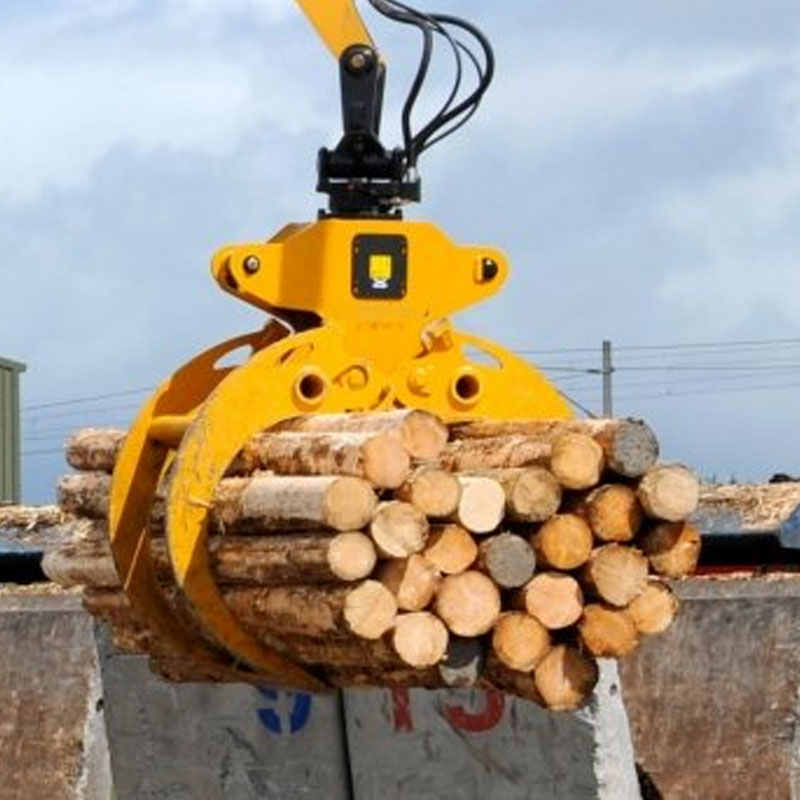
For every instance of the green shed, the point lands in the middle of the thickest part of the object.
(9, 430)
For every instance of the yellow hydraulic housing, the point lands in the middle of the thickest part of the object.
(360, 313)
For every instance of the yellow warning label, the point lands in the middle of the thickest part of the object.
(380, 269)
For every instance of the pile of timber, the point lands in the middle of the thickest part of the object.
(387, 549)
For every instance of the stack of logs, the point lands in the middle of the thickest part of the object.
(387, 549)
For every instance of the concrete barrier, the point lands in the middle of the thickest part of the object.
(471, 744)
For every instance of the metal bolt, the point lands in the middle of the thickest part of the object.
(252, 264)
(358, 61)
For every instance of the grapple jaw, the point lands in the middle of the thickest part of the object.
(381, 292)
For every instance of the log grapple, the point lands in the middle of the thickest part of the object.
(359, 302)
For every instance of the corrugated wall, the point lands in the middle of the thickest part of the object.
(9, 431)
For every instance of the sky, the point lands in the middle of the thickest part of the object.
(638, 162)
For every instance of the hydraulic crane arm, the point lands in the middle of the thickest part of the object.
(337, 22)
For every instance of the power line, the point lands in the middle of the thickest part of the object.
(87, 399)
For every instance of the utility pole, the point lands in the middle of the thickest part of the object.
(607, 371)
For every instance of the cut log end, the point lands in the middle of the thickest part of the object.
(413, 581)
(532, 494)
(617, 574)
(351, 556)
(654, 610)
(607, 632)
(576, 461)
(633, 448)
(520, 641)
(433, 491)
(565, 678)
(468, 603)
(614, 513)
(555, 599)
(451, 549)
(482, 504)
(563, 542)
(670, 492)
(398, 529)
(672, 548)
(508, 559)
(370, 610)
(420, 639)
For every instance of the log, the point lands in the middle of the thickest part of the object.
(258, 503)
(606, 631)
(468, 603)
(482, 504)
(398, 529)
(378, 458)
(31, 517)
(95, 449)
(85, 494)
(422, 434)
(555, 599)
(519, 641)
(499, 677)
(613, 512)
(670, 492)
(433, 491)
(532, 493)
(508, 559)
(654, 609)
(629, 445)
(576, 461)
(450, 548)
(616, 574)
(672, 548)
(463, 663)
(370, 610)
(471, 455)
(295, 558)
(279, 502)
(745, 508)
(420, 639)
(565, 678)
(563, 542)
(413, 581)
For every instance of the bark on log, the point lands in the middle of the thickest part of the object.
(617, 574)
(565, 678)
(607, 632)
(519, 641)
(290, 503)
(479, 455)
(433, 491)
(420, 639)
(422, 434)
(499, 677)
(630, 446)
(451, 549)
(670, 492)
(613, 512)
(258, 503)
(482, 504)
(398, 529)
(30, 517)
(413, 581)
(378, 458)
(463, 663)
(295, 558)
(654, 609)
(469, 603)
(563, 542)
(555, 599)
(95, 449)
(672, 548)
(746, 508)
(508, 559)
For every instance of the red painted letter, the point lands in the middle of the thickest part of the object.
(480, 721)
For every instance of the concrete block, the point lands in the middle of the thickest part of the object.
(52, 734)
(471, 744)
(235, 742)
(714, 702)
